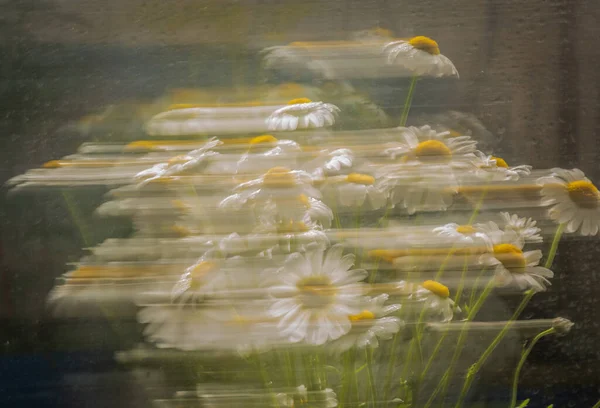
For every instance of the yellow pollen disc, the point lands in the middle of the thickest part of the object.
(584, 194)
(465, 229)
(511, 257)
(292, 227)
(263, 139)
(52, 164)
(425, 44)
(436, 288)
(199, 271)
(358, 178)
(500, 162)
(279, 177)
(299, 100)
(180, 205)
(364, 315)
(141, 145)
(180, 231)
(316, 291)
(433, 150)
(304, 200)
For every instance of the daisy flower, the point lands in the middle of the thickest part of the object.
(370, 326)
(419, 189)
(302, 113)
(424, 145)
(464, 234)
(424, 180)
(574, 199)
(198, 280)
(420, 55)
(517, 269)
(265, 152)
(436, 300)
(354, 190)
(330, 164)
(289, 192)
(524, 227)
(496, 168)
(180, 164)
(316, 293)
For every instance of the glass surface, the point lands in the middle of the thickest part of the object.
(81, 84)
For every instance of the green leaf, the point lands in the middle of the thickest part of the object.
(550, 406)
(524, 403)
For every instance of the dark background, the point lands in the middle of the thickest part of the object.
(529, 72)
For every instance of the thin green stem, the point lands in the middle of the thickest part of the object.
(474, 369)
(371, 377)
(77, 218)
(554, 247)
(408, 101)
(524, 355)
(390, 370)
(597, 404)
(443, 384)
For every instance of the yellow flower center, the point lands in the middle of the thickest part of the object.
(364, 315)
(465, 229)
(584, 194)
(500, 162)
(436, 288)
(316, 291)
(291, 227)
(433, 150)
(299, 100)
(180, 205)
(511, 257)
(263, 139)
(425, 44)
(304, 200)
(180, 231)
(52, 164)
(200, 271)
(358, 178)
(279, 177)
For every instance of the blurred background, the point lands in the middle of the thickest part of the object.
(529, 73)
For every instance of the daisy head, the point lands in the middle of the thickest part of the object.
(278, 184)
(574, 200)
(424, 145)
(525, 228)
(371, 325)
(354, 190)
(517, 269)
(302, 113)
(464, 234)
(497, 169)
(420, 55)
(316, 293)
(437, 303)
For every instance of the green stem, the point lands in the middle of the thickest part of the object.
(408, 101)
(390, 370)
(77, 218)
(443, 384)
(490, 349)
(554, 247)
(371, 377)
(524, 356)
(478, 207)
